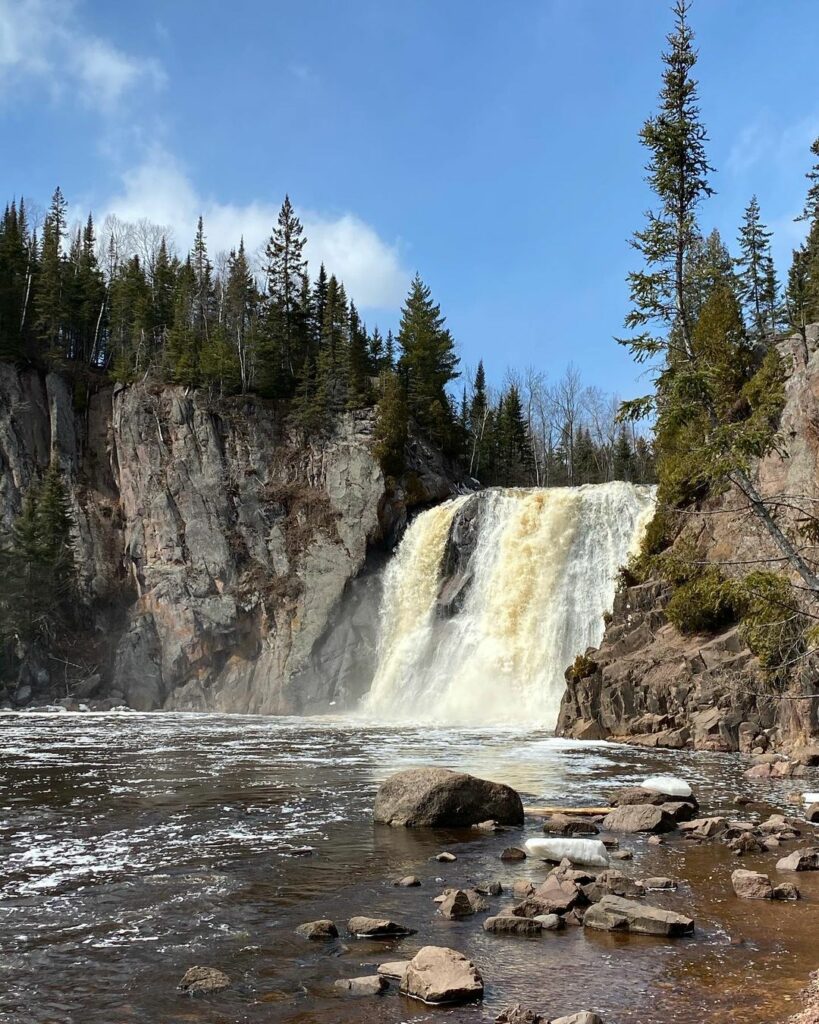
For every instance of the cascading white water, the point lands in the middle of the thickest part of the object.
(542, 570)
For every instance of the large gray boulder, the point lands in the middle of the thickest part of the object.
(613, 913)
(438, 797)
(437, 974)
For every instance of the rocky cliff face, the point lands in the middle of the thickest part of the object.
(649, 684)
(215, 550)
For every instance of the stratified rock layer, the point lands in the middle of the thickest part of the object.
(221, 557)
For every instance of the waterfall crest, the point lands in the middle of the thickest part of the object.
(535, 583)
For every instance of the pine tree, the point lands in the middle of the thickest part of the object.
(391, 428)
(203, 301)
(318, 304)
(428, 362)
(757, 276)
(241, 302)
(623, 457)
(286, 272)
(357, 364)
(36, 600)
(678, 175)
(183, 346)
(128, 346)
(686, 389)
(49, 301)
(13, 282)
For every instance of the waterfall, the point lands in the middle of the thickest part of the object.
(536, 580)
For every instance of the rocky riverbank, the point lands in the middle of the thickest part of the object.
(647, 683)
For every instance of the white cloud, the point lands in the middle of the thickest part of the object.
(779, 146)
(160, 190)
(43, 39)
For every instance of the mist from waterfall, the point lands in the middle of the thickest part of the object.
(541, 576)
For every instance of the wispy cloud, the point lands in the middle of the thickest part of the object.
(46, 40)
(777, 145)
(160, 189)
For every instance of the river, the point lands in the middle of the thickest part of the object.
(137, 845)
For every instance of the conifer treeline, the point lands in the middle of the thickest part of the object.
(64, 303)
(129, 306)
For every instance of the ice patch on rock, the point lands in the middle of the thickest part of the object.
(590, 852)
(667, 785)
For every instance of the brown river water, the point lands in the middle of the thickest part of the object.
(134, 846)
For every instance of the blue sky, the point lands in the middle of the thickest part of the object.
(492, 147)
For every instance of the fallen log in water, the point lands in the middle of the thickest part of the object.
(545, 812)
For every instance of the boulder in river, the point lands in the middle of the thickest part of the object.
(513, 853)
(437, 974)
(751, 885)
(321, 929)
(639, 818)
(569, 825)
(812, 813)
(377, 928)
(704, 828)
(200, 981)
(371, 985)
(408, 882)
(437, 797)
(456, 905)
(785, 891)
(806, 859)
(613, 913)
(393, 969)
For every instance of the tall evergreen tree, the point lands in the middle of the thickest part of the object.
(428, 362)
(49, 303)
(686, 389)
(757, 276)
(286, 273)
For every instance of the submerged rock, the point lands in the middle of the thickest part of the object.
(198, 981)
(437, 797)
(518, 1014)
(377, 928)
(509, 924)
(437, 974)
